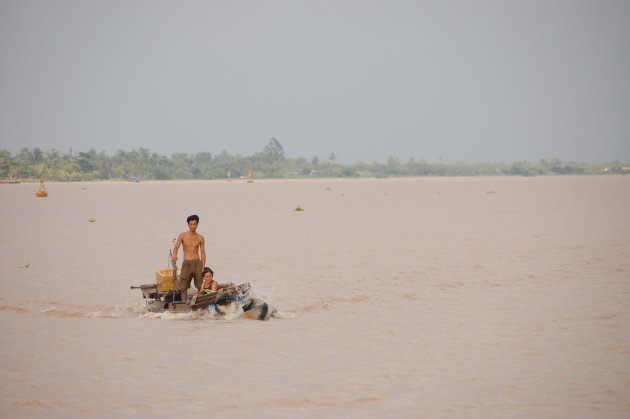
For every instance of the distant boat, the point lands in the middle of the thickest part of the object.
(133, 179)
(12, 172)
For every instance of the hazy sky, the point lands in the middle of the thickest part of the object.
(473, 80)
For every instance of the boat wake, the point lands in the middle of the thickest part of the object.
(56, 309)
(252, 308)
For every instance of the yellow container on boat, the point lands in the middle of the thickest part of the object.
(164, 280)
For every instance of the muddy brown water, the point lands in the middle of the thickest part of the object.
(424, 298)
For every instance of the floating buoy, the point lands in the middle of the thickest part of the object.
(41, 193)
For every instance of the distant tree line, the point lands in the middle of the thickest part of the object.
(270, 162)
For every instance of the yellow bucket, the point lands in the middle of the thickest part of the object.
(164, 280)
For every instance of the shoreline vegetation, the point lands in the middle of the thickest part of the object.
(270, 163)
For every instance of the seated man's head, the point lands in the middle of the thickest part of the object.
(208, 274)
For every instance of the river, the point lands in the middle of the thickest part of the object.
(408, 298)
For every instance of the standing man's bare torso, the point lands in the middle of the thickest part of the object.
(191, 242)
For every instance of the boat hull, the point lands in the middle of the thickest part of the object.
(158, 301)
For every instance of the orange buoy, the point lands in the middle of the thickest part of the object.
(41, 193)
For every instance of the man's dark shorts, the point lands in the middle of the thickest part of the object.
(190, 269)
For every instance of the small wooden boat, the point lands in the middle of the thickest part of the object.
(164, 297)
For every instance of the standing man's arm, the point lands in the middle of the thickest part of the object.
(176, 248)
(202, 250)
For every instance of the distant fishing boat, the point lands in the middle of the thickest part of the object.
(12, 179)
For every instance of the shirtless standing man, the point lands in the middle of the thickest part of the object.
(194, 248)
